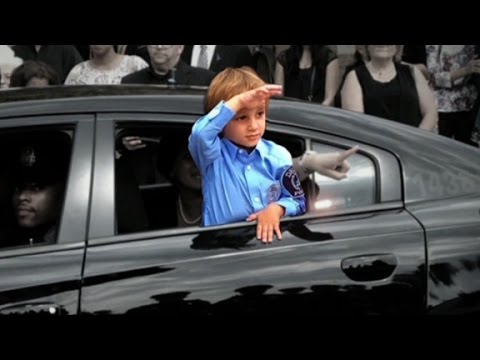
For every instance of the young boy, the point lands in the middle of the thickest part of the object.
(243, 175)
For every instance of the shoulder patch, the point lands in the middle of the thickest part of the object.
(291, 182)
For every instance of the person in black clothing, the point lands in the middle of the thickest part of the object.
(167, 68)
(39, 175)
(416, 55)
(62, 58)
(386, 88)
(358, 59)
(308, 72)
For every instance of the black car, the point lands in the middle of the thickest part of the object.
(400, 235)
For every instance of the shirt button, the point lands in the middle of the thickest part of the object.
(257, 199)
(249, 167)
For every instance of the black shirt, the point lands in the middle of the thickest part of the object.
(184, 74)
(395, 100)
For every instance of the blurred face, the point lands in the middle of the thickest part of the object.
(164, 57)
(37, 82)
(382, 52)
(186, 172)
(100, 50)
(35, 205)
(247, 128)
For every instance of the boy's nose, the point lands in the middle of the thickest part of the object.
(252, 123)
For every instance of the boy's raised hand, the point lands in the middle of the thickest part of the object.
(255, 97)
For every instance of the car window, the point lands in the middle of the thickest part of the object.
(358, 189)
(33, 178)
(146, 192)
(147, 187)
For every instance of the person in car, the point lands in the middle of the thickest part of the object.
(187, 179)
(244, 177)
(40, 174)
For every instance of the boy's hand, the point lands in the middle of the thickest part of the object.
(268, 221)
(254, 98)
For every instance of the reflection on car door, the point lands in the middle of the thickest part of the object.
(368, 262)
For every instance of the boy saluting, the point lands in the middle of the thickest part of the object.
(243, 175)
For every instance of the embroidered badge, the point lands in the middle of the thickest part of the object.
(273, 193)
(27, 156)
(291, 182)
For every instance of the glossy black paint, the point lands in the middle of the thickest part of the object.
(417, 251)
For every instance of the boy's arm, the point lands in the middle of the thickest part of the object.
(204, 142)
(292, 197)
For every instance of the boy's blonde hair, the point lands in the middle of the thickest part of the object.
(231, 82)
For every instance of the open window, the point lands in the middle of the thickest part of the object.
(33, 179)
(147, 190)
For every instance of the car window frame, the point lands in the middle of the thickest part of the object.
(103, 189)
(72, 231)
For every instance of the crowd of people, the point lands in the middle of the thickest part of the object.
(432, 87)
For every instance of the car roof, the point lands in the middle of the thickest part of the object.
(420, 151)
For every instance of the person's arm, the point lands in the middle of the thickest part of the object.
(279, 74)
(473, 67)
(352, 95)
(428, 108)
(204, 142)
(423, 69)
(447, 79)
(333, 165)
(332, 82)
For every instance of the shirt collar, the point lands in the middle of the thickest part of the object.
(233, 150)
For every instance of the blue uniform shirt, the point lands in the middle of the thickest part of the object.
(236, 184)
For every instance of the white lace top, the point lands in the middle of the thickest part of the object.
(85, 74)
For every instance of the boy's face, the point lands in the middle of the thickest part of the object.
(247, 127)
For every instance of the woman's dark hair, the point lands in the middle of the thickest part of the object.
(294, 54)
(30, 69)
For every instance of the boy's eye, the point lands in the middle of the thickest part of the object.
(260, 113)
(241, 117)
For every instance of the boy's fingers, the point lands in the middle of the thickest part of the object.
(252, 217)
(278, 232)
(259, 231)
(266, 235)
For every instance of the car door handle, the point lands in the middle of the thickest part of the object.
(32, 309)
(369, 267)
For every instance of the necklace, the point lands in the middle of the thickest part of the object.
(381, 73)
(182, 214)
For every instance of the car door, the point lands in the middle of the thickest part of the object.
(45, 278)
(365, 256)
